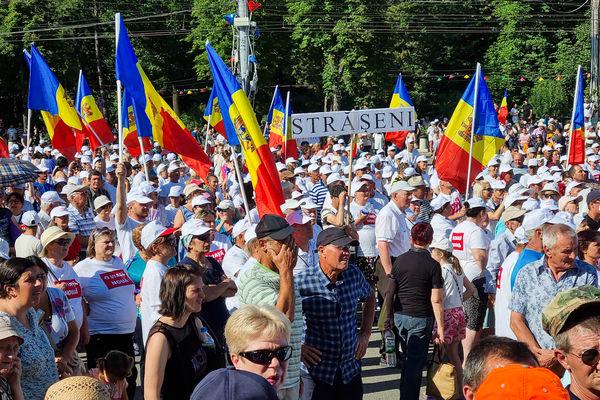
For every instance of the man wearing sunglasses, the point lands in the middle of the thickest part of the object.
(333, 346)
(572, 318)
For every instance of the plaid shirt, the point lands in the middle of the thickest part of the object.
(81, 224)
(330, 313)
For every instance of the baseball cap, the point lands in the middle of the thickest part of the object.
(333, 178)
(138, 198)
(290, 204)
(536, 218)
(497, 184)
(74, 188)
(534, 180)
(200, 201)
(557, 312)
(152, 231)
(191, 188)
(308, 204)
(156, 157)
(421, 158)
(240, 227)
(475, 202)
(290, 160)
(313, 167)
(101, 201)
(550, 187)
(359, 187)
(532, 162)
(325, 170)
(442, 243)
(593, 196)
(226, 205)
(410, 171)
(512, 213)
(175, 191)
(195, 227)
(50, 197)
(59, 211)
(30, 218)
(280, 166)
(273, 226)
(416, 181)
(522, 383)
(387, 172)
(563, 201)
(297, 218)
(173, 167)
(549, 204)
(336, 236)
(439, 202)
(400, 185)
(572, 185)
(233, 384)
(7, 330)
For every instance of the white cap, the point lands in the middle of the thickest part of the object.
(510, 198)
(533, 162)
(110, 168)
(440, 201)
(173, 167)
(156, 158)
(325, 170)
(291, 160)
(572, 185)
(114, 157)
(298, 170)
(152, 231)
(497, 184)
(84, 175)
(289, 204)
(563, 201)
(410, 139)
(280, 166)
(30, 218)
(298, 218)
(42, 169)
(101, 201)
(176, 191)
(334, 177)
(475, 202)
(442, 243)
(297, 195)
(50, 197)
(85, 160)
(200, 201)
(138, 198)
(195, 227)
(250, 233)
(493, 162)
(421, 158)
(145, 158)
(400, 185)
(520, 235)
(313, 167)
(408, 172)
(171, 156)
(387, 172)
(595, 145)
(358, 186)
(534, 180)
(240, 227)
(550, 187)
(59, 211)
(536, 218)
(226, 205)
(505, 168)
(308, 204)
(361, 164)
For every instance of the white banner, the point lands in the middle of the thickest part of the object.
(338, 123)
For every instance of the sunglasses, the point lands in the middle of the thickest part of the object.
(205, 237)
(62, 242)
(588, 357)
(264, 357)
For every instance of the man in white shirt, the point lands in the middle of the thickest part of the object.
(28, 244)
(409, 154)
(235, 258)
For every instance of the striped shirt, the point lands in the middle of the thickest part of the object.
(317, 194)
(81, 224)
(260, 286)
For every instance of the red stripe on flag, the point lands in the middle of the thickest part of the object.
(397, 138)
(4, 149)
(220, 128)
(577, 147)
(133, 144)
(452, 164)
(64, 140)
(268, 200)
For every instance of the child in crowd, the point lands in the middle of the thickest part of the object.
(113, 370)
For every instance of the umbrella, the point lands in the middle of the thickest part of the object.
(14, 172)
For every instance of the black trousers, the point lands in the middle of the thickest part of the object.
(352, 390)
(101, 344)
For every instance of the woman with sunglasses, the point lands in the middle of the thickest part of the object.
(160, 245)
(21, 287)
(179, 351)
(258, 342)
(109, 295)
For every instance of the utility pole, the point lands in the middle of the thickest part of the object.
(595, 62)
(242, 23)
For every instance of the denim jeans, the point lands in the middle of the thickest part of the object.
(415, 335)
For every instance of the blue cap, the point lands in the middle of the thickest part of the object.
(231, 384)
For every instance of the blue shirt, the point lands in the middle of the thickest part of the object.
(318, 194)
(525, 257)
(329, 310)
(536, 287)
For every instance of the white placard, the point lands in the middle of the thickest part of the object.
(337, 123)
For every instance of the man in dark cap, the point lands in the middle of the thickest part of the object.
(333, 347)
(592, 218)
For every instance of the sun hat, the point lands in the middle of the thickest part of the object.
(54, 233)
(78, 388)
(8, 330)
(100, 202)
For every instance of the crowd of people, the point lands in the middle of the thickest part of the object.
(108, 258)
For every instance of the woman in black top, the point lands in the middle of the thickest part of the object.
(417, 290)
(178, 354)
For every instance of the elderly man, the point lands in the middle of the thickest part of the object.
(270, 281)
(409, 154)
(538, 282)
(81, 217)
(573, 320)
(333, 346)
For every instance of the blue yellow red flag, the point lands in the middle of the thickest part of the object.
(154, 118)
(214, 111)
(577, 131)
(400, 98)
(453, 157)
(48, 95)
(238, 114)
(98, 131)
(275, 119)
(503, 111)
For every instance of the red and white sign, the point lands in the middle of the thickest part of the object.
(217, 255)
(370, 220)
(499, 278)
(115, 279)
(72, 288)
(458, 241)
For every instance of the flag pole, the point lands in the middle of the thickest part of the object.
(351, 158)
(29, 115)
(207, 132)
(577, 83)
(285, 125)
(143, 152)
(270, 108)
(240, 179)
(473, 127)
(119, 100)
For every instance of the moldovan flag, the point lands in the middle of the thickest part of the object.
(239, 117)
(503, 111)
(96, 128)
(453, 158)
(400, 98)
(4, 153)
(213, 111)
(130, 133)
(275, 120)
(153, 116)
(576, 134)
(47, 95)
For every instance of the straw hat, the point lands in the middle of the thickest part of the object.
(78, 388)
(53, 233)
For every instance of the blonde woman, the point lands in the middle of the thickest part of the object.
(258, 342)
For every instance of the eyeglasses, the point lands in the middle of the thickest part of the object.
(264, 357)
(589, 357)
(205, 237)
(62, 242)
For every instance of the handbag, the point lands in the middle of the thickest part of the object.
(442, 382)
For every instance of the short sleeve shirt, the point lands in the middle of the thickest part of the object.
(390, 226)
(125, 239)
(465, 237)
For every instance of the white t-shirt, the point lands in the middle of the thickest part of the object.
(150, 287)
(125, 238)
(453, 287)
(100, 224)
(442, 226)
(366, 229)
(465, 237)
(110, 294)
(27, 245)
(232, 264)
(219, 247)
(503, 294)
(59, 324)
(65, 274)
(390, 226)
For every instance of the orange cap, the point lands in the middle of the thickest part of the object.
(517, 382)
